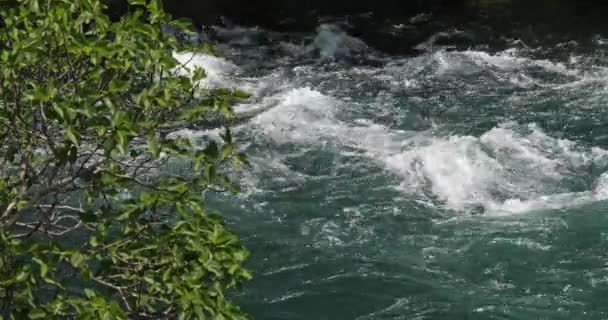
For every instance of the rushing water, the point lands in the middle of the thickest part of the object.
(458, 183)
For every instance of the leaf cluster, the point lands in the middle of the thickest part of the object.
(94, 224)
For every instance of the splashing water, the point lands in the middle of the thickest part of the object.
(418, 187)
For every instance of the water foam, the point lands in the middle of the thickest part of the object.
(332, 43)
(504, 170)
(307, 116)
(509, 169)
(507, 61)
(301, 114)
(220, 72)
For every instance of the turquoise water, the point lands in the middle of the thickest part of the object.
(458, 183)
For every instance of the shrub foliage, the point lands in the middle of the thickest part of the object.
(95, 221)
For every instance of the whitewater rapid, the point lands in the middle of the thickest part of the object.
(461, 182)
(513, 166)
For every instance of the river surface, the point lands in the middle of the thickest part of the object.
(466, 181)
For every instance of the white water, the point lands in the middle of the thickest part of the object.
(459, 182)
(220, 73)
(502, 170)
(333, 43)
(511, 168)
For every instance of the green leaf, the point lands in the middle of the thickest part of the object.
(77, 259)
(155, 7)
(34, 6)
(121, 141)
(182, 23)
(94, 241)
(44, 93)
(198, 74)
(119, 86)
(72, 135)
(61, 112)
(241, 159)
(44, 268)
(227, 136)
(22, 275)
(211, 150)
(90, 294)
(241, 95)
(37, 313)
(210, 172)
(137, 2)
(227, 150)
(153, 144)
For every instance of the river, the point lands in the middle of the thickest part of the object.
(463, 179)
